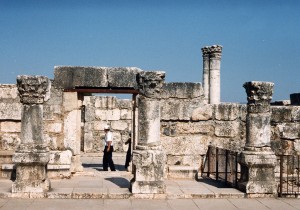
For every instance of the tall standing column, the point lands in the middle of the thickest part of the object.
(32, 155)
(148, 157)
(214, 74)
(205, 78)
(258, 160)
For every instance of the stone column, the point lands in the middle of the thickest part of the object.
(205, 79)
(32, 155)
(214, 74)
(258, 160)
(148, 157)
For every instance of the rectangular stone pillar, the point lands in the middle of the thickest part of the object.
(148, 157)
(258, 160)
(32, 155)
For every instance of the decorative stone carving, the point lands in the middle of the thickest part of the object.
(215, 51)
(259, 96)
(33, 89)
(150, 83)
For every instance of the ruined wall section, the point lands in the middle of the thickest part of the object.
(102, 110)
(188, 126)
(285, 130)
(10, 117)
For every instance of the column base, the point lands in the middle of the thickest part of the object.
(149, 171)
(258, 172)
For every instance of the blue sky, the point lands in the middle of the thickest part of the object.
(260, 38)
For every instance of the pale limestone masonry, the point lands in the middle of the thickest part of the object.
(102, 110)
(172, 125)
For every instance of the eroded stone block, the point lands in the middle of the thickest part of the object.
(226, 111)
(10, 141)
(123, 77)
(226, 129)
(204, 112)
(10, 111)
(289, 130)
(281, 114)
(185, 90)
(11, 127)
(68, 77)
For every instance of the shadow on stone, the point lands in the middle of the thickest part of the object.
(121, 182)
(212, 182)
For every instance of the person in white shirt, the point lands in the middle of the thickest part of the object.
(108, 150)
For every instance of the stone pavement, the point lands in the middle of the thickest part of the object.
(96, 189)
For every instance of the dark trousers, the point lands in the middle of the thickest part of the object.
(107, 159)
(128, 156)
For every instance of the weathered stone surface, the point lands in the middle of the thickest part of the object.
(204, 112)
(258, 130)
(10, 141)
(172, 109)
(289, 130)
(295, 98)
(105, 102)
(10, 127)
(54, 127)
(70, 131)
(194, 128)
(10, 111)
(281, 114)
(259, 96)
(114, 114)
(297, 146)
(149, 171)
(185, 145)
(126, 114)
(9, 92)
(123, 77)
(124, 104)
(119, 125)
(68, 77)
(150, 83)
(296, 113)
(226, 111)
(70, 101)
(243, 112)
(33, 89)
(182, 90)
(60, 157)
(227, 129)
(149, 121)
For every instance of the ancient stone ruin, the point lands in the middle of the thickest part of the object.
(46, 124)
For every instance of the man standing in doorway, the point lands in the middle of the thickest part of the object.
(107, 153)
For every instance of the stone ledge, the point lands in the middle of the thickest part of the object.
(58, 167)
(8, 166)
(182, 172)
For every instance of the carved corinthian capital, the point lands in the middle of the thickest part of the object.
(33, 89)
(150, 83)
(216, 51)
(259, 96)
(205, 51)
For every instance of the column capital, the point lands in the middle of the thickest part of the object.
(259, 96)
(33, 89)
(216, 51)
(205, 51)
(150, 83)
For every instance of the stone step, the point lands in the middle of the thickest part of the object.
(182, 172)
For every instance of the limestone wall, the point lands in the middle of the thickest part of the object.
(10, 117)
(102, 110)
(189, 126)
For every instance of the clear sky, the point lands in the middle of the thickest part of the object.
(260, 38)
